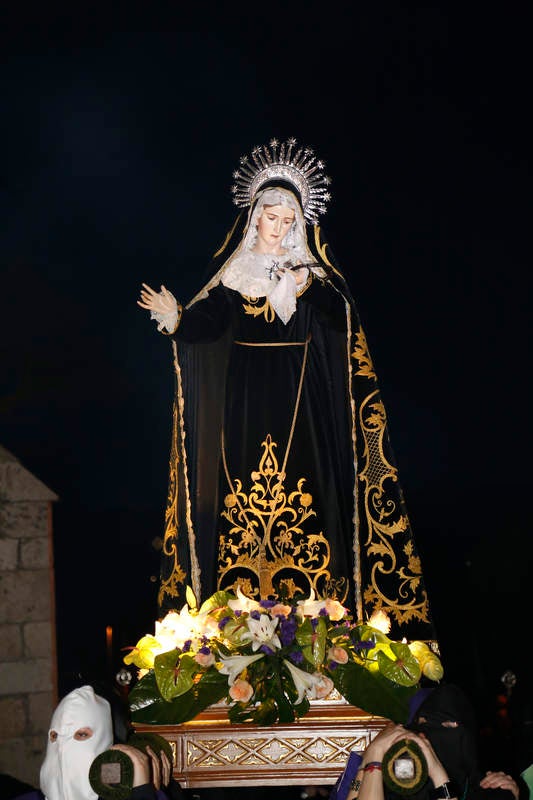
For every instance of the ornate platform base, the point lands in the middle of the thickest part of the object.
(209, 751)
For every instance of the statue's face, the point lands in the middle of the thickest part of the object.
(272, 227)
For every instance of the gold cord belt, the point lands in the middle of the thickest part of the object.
(274, 344)
(289, 442)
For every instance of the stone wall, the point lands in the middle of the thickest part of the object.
(28, 668)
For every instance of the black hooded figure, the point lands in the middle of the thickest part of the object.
(448, 719)
(282, 481)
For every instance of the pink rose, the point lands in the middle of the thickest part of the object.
(241, 691)
(323, 687)
(338, 654)
(334, 609)
(204, 659)
(280, 610)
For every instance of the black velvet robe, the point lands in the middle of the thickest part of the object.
(282, 477)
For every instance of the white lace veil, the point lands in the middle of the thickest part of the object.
(295, 241)
(250, 273)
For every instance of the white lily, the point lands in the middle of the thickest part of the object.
(306, 683)
(262, 631)
(232, 666)
(243, 603)
(310, 607)
(181, 626)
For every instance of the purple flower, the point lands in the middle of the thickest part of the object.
(287, 630)
(333, 665)
(255, 615)
(322, 612)
(267, 603)
(314, 622)
(186, 646)
(364, 645)
(296, 656)
(205, 650)
(223, 622)
(237, 612)
(266, 650)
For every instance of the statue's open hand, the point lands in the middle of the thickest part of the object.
(162, 302)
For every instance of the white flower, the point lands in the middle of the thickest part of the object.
(380, 620)
(321, 688)
(262, 631)
(243, 603)
(310, 607)
(232, 666)
(179, 627)
(313, 685)
(335, 610)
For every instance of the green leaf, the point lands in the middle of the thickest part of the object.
(319, 642)
(313, 641)
(174, 673)
(302, 708)
(147, 707)
(405, 670)
(372, 692)
(218, 600)
(304, 633)
(190, 597)
(266, 713)
(285, 708)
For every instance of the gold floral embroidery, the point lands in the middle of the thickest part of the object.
(266, 543)
(387, 523)
(255, 310)
(362, 356)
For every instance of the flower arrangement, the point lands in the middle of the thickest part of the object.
(268, 659)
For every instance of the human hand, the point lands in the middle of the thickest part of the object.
(166, 766)
(386, 738)
(161, 768)
(436, 770)
(162, 302)
(156, 767)
(500, 780)
(140, 761)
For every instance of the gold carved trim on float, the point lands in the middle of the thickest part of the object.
(311, 751)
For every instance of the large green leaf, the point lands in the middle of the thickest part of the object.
(372, 692)
(404, 670)
(286, 711)
(149, 708)
(174, 673)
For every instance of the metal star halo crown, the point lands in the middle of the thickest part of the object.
(286, 161)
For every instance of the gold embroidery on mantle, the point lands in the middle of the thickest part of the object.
(266, 537)
(395, 568)
(176, 575)
(256, 310)
(362, 356)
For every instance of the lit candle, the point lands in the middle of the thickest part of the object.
(109, 646)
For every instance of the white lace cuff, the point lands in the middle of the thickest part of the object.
(168, 320)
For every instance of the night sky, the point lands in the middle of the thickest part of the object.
(119, 138)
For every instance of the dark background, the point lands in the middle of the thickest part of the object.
(120, 134)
